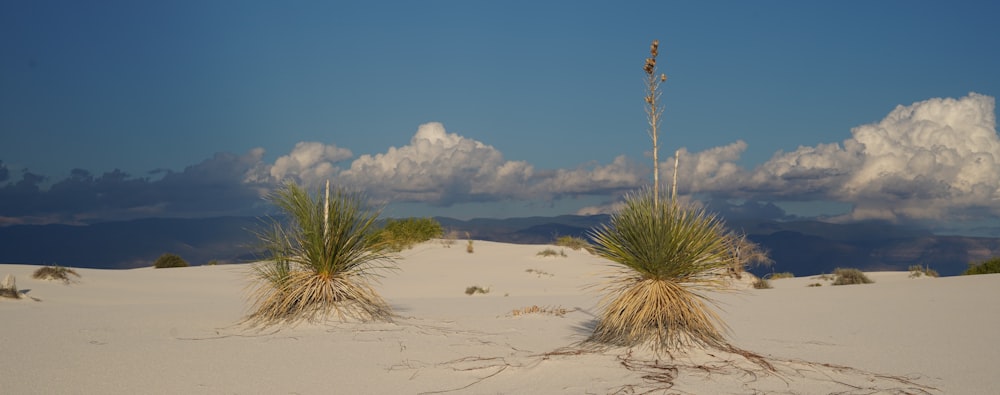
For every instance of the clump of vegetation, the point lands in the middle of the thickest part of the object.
(475, 289)
(574, 243)
(762, 283)
(402, 234)
(469, 247)
(323, 260)
(539, 272)
(917, 271)
(169, 260)
(8, 288)
(550, 252)
(667, 250)
(985, 267)
(744, 253)
(535, 309)
(55, 273)
(850, 277)
(815, 285)
(448, 239)
(775, 276)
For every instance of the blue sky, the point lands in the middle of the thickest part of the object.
(500, 109)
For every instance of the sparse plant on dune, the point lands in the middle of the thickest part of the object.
(169, 260)
(535, 309)
(668, 253)
(468, 246)
(985, 267)
(849, 277)
(745, 253)
(775, 276)
(574, 243)
(404, 233)
(322, 261)
(55, 273)
(550, 252)
(475, 289)
(918, 271)
(762, 283)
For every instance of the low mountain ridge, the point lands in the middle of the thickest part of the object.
(800, 247)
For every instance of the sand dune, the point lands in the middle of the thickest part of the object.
(174, 331)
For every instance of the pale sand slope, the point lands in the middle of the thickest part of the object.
(172, 331)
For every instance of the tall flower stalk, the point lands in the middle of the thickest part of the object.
(653, 111)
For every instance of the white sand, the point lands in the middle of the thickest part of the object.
(172, 331)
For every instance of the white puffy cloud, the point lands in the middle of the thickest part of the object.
(934, 159)
(618, 175)
(440, 168)
(310, 162)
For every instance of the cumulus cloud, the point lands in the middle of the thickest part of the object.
(309, 162)
(440, 168)
(443, 168)
(934, 159)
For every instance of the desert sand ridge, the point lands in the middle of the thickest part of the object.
(171, 331)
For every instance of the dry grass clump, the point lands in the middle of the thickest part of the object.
(761, 283)
(55, 273)
(322, 261)
(775, 276)
(469, 247)
(540, 272)
(815, 285)
(550, 252)
(918, 271)
(667, 252)
(535, 309)
(850, 277)
(475, 289)
(574, 243)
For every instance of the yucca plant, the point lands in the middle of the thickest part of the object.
(667, 253)
(323, 260)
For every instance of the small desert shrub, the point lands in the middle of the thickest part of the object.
(539, 272)
(849, 277)
(550, 252)
(55, 273)
(775, 276)
(574, 243)
(761, 283)
(917, 271)
(535, 309)
(402, 234)
(213, 262)
(475, 289)
(815, 285)
(469, 247)
(322, 260)
(984, 267)
(448, 239)
(169, 260)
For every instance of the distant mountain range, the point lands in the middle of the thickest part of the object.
(800, 247)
